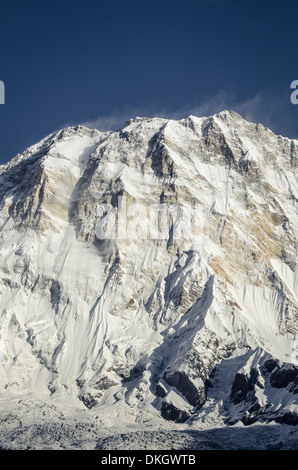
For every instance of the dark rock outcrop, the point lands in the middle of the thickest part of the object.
(160, 390)
(287, 418)
(240, 388)
(88, 400)
(179, 380)
(271, 364)
(281, 377)
(171, 413)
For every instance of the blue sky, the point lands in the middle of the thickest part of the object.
(101, 62)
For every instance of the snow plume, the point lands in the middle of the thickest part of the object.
(263, 107)
(114, 120)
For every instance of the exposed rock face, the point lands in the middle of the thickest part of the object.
(189, 312)
(246, 390)
(171, 413)
(282, 376)
(183, 384)
(240, 388)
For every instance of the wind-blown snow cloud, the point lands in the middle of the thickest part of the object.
(112, 121)
(264, 107)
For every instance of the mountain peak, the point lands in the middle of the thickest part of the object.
(141, 266)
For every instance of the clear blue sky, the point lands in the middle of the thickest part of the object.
(67, 62)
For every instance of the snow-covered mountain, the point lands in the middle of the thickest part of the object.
(193, 322)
